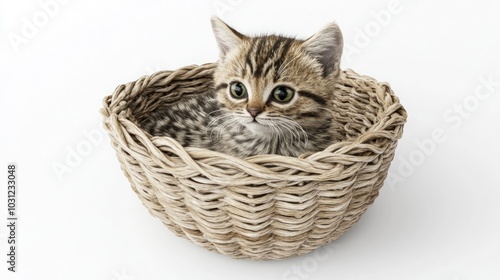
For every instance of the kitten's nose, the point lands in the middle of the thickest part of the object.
(254, 112)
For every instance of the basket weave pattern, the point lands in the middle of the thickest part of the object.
(266, 206)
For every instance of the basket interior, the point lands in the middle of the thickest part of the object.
(355, 110)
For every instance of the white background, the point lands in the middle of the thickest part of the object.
(437, 217)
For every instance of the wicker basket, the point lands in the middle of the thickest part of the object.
(266, 206)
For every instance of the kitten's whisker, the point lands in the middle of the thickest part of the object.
(300, 135)
(280, 135)
(293, 127)
(280, 125)
(220, 125)
(216, 111)
(214, 121)
(220, 128)
(219, 120)
(235, 121)
(290, 130)
(287, 121)
(274, 132)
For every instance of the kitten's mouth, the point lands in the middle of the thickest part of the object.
(255, 121)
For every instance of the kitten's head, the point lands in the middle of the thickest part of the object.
(273, 83)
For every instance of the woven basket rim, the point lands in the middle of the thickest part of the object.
(111, 110)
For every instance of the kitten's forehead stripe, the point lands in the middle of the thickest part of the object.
(248, 59)
(279, 62)
(266, 71)
(265, 53)
(262, 56)
(256, 54)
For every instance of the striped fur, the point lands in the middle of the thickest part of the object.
(258, 123)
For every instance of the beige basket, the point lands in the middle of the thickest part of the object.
(266, 206)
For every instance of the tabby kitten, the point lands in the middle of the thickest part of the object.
(271, 95)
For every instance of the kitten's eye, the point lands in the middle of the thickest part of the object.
(283, 94)
(238, 90)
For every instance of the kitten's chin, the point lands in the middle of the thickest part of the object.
(258, 128)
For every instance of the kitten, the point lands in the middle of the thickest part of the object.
(271, 95)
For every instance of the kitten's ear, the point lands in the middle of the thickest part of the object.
(326, 46)
(227, 38)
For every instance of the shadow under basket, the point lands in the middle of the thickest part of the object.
(265, 206)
